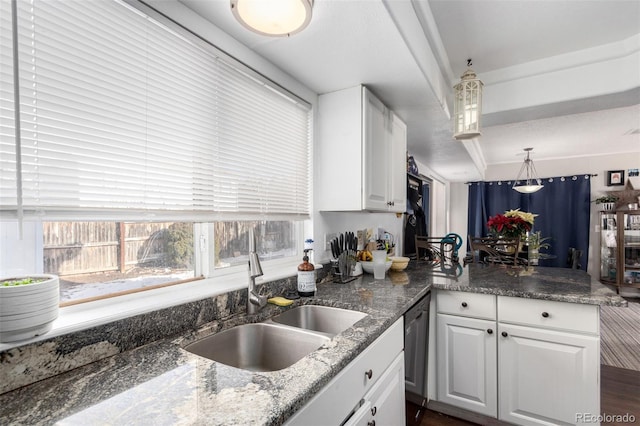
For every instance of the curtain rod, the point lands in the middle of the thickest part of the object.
(502, 180)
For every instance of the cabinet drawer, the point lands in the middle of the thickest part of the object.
(333, 403)
(466, 304)
(549, 314)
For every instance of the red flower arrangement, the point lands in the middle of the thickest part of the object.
(510, 226)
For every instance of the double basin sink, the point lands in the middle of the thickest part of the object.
(278, 342)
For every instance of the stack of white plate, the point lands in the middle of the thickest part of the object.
(28, 310)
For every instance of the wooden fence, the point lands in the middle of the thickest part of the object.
(72, 248)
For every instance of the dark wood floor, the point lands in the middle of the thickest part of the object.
(619, 390)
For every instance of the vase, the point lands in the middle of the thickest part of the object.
(533, 256)
(510, 249)
(607, 207)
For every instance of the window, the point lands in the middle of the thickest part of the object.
(128, 120)
(94, 259)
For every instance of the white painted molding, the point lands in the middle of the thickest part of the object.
(600, 71)
(415, 35)
(568, 61)
(475, 152)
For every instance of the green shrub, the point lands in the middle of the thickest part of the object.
(180, 245)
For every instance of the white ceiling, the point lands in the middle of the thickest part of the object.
(583, 57)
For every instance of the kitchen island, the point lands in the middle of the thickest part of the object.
(161, 383)
(524, 350)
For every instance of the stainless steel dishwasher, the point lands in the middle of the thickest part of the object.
(416, 329)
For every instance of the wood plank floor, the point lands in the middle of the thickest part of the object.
(620, 394)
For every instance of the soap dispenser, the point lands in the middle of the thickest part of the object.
(306, 277)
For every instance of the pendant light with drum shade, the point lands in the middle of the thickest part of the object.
(275, 18)
(467, 105)
(530, 181)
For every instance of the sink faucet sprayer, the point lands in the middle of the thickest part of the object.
(254, 301)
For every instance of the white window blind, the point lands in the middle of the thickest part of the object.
(122, 115)
(8, 193)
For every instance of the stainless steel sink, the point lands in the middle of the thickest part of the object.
(258, 347)
(323, 319)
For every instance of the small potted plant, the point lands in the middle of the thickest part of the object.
(608, 202)
(28, 306)
(535, 242)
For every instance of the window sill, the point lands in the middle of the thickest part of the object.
(91, 314)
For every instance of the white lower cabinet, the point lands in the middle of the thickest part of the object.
(375, 378)
(467, 363)
(547, 377)
(384, 403)
(536, 363)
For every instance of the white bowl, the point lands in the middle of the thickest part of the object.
(368, 266)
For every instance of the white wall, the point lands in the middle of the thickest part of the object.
(562, 167)
(439, 221)
(439, 224)
(339, 222)
(20, 254)
(459, 195)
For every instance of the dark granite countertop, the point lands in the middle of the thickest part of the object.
(558, 284)
(160, 383)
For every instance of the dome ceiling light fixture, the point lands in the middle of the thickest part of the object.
(467, 105)
(530, 181)
(275, 18)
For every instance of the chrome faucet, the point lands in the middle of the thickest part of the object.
(255, 301)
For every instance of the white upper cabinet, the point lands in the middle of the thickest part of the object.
(361, 153)
(398, 174)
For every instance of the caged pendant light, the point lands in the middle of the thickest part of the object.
(276, 18)
(530, 181)
(467, 105)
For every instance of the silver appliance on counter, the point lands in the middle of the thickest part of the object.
(416, 334)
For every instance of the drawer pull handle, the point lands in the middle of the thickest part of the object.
(374, 410)
(504, 334)
(490, 331)
(371, 423)
(464, 304)
(545, 314)
(369, 374)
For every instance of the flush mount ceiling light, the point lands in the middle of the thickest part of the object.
(467, 106)
(276, 18)
(528, 176)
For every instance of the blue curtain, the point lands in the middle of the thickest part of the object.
(562, 206)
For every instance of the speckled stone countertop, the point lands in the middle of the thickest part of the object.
(558, 284)
(162, 384)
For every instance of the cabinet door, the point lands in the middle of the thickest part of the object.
(376, 153)
(466, 361)
(336, 400)
(362, 416)
(547, 377)
(387, 396)
(397, 167)
(629, 254)
(608, 247)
